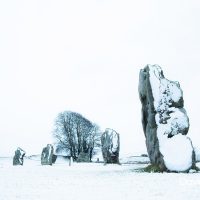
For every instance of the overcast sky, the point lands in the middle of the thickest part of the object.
(85, 56)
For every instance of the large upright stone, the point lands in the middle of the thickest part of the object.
(18, 158)
(110, 146)
(165, 122)
(47, 157)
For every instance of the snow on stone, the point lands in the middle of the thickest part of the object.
(177, 152)
(175, 91)
(177, 122)
(155, 83)
(172, 122)
(50, 151)
(163, 89)
(114, 138)
(115, 142)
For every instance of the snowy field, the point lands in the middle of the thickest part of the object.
(93, 181)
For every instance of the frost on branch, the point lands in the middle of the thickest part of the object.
(165, 121)
(110, 146)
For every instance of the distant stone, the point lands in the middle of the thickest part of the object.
(165, 121)
(47, 155)
(83, 157)
(18, 158)
(110, 142)
(144, 155)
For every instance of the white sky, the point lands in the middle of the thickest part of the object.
(85, 56)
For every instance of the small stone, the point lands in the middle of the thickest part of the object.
(110, 146)
(18, 158)
(47, 155)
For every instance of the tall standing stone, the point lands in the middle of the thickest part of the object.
(18, 158)
(110, 142)
(47, 155)
(165, 122)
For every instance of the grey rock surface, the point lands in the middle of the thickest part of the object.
(54, 158)
(47, 155)
(18, 158)
(110, 142)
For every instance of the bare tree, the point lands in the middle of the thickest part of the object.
(95, 140)
(75, 134)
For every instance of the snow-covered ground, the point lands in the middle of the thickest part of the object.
(93, 181)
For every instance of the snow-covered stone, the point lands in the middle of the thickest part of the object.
(165, 121)
(47, 156)
(110, 146)
(18, 158)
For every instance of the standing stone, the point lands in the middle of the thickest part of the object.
(165, 122)
(83, 157)
(110, 146)
(18, 158)
(47, 155)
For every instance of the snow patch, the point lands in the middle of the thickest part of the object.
(177, 152)
(115, 142)
(155, 83)
(164, 91)
(92, 181)
(176, 123)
